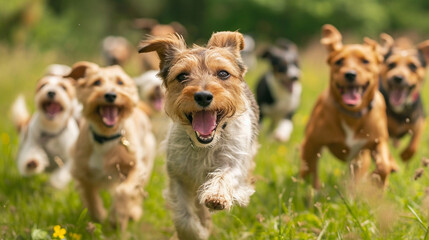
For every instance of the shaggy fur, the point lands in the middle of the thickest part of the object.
(47, 137)
(349, 118)
(115, 148)
(212, 142)
(402, 76)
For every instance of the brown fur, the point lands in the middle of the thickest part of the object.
(325, 127)
(411, 64)
(125, 167)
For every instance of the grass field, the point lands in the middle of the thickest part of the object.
(283, 207)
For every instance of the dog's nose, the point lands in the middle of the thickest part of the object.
(350, 75)
(203, 98)
(294, 78)
(110, 97)
(51, 94)
(398, 79)
(32, 164)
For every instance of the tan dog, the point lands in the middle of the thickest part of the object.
(150, 61)
(213, 139)
(350, 116)
(115, 148)
(47, 137)
(402, 76)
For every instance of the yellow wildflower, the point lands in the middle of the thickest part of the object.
(75, 236)
(59, 232)
(5, 139)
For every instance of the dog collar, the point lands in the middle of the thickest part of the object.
(354, 114)
(102, 139)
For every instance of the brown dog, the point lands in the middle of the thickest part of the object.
(402, 75)
(350, 116)
(115, 148)
(213, 138)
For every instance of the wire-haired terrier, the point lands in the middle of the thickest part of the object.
(213, 138)
(46, 138)
(115, 148)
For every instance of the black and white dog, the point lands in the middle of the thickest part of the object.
(278, 92)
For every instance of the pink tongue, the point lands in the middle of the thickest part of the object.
(109, 114)
(52, 108)
(157, 104)
(204, 122)
(351, 96)
(397, 96)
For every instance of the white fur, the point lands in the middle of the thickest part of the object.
(215, 173)
(354, 144)
(283, 130)
(36, 147)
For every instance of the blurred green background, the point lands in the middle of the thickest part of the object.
(78, 26)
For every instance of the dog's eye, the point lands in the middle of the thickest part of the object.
(120, 82)
(223, 74)
(97, 83)
(41, 86)
(412, 67)
(182, 77)
(391, 65)
(365, 61)
(339, 62)
(63, 87)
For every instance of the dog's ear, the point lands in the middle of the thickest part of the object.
(331, 38)
(232, 40)
(423, 48)
(386, 44)
(80, 69)
(166, 47)
(145, 24)
(375, 48)
(287, 45)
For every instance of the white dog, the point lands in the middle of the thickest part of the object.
(47, 137)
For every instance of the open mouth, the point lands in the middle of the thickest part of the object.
(52, 109)
(398, 93)
(157, 103)
(352, 94)
(288, 85)
(109, 114)
(204, 124)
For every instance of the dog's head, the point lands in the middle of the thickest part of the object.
(354, 69)
(55, 96)
(151, 90)
(116, 50)
(108, 95)
(204, 85)
(284, 62)
(403, 71)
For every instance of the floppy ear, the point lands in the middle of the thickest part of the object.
(331, 38)
(423, 48)
(231, 40)
(166, 47)
(375, 48)
(386, 44)
(79, 69)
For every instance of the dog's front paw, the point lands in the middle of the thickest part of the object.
(217, 202)
(407, 154)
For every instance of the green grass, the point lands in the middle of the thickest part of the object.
(283, 207)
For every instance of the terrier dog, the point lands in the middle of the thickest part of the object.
(115, 148)
(115, 50)
(402, 76)
(152, 92)
(213, 138)
(46, 138)
(350, 116)
(150, 61)
(278, 92)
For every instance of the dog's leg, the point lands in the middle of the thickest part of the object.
(359, 166)
(92, 200)
(190, 219)
(414, 142)
(310, 154)
(283, 130)
(62, 176)
(224, 187)
(383, 165)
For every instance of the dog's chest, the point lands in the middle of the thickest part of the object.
(353, 143)
(285, 101)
